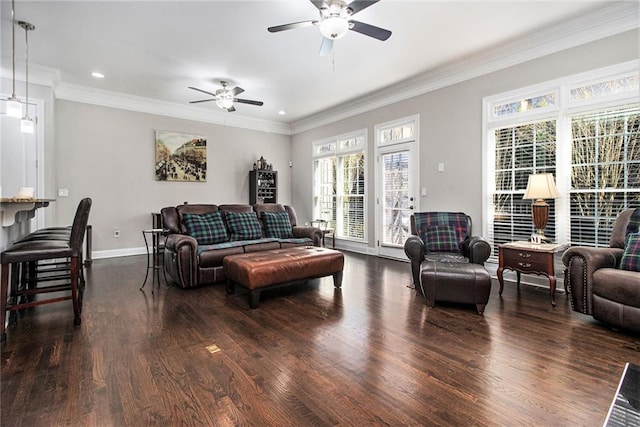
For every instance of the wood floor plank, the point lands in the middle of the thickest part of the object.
(371, 353)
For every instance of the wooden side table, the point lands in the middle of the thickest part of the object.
(529, 258)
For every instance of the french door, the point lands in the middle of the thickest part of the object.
(396, 200)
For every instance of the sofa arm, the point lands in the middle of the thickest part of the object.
(477, 249)
(313, 233)
(184, 259)
(414, 249)
(581, 262)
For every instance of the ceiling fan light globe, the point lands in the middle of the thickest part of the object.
(224, 102)
(334, 27)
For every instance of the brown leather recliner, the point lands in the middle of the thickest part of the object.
(474, 249)
(597, 287)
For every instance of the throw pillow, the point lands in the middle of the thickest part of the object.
(634, 222)
(207, 229)
(244, 225)
(277, 224)
(631, 257)
(457, 220)
(441, 238)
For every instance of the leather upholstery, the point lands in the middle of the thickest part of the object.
(475, 249)
(283, 266)
(188, 268)
(462, 283)
(597, 287)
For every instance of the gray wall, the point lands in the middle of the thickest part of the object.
(451, 129)
(108, 154)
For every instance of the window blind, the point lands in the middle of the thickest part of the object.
(520, 151)
(605, 172)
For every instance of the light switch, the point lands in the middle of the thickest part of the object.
(423, 191)
(440, 167)
(63, 192)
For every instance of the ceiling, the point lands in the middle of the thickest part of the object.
(156, 49)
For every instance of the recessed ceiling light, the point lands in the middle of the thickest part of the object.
(97, 75)
(282, 112)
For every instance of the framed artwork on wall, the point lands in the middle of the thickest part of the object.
(180, 157)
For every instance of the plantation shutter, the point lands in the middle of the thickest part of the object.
(325, 190)
(605, 172)
(352, 196)
(520, 151)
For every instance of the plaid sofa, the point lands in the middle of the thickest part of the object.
(199, 236)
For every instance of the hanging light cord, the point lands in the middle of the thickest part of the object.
(13, 40)
(26, 73)
(27, 27)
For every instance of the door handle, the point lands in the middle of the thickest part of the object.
(411, 207)
(411, 199)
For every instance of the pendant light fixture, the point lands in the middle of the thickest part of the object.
(26, 124)
(14, 106)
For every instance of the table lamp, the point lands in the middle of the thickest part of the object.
(540, 186)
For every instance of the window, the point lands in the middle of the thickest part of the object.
(585, 130)
(339, 184)
(520, 151)
(605, 172)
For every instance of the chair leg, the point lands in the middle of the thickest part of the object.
(4, 288)
(74, 290)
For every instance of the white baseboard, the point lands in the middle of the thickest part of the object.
(114, 253)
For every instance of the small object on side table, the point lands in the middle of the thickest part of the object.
(529, 258)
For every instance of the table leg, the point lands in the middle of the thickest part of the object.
(500, 278)
(146, 276)
(552, 289)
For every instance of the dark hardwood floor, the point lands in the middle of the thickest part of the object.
(370, 354)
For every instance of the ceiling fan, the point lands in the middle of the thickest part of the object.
(335, 21)
(225, 97)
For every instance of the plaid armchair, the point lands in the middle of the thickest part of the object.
(443, 237)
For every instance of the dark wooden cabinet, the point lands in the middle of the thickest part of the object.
(263, 186)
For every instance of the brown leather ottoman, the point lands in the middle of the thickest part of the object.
(259, 270)
(465, 283)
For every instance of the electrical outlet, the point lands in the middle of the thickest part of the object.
(116, 233)
(63, 192)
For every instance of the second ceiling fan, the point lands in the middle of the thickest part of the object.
(335, 21)
(225, 98)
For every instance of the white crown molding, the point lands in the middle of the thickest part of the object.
(609, 21)
(38, 74)
(105, 98)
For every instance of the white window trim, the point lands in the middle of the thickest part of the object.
(562, 113)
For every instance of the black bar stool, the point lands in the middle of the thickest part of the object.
(28, 253)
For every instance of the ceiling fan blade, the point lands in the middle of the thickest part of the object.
(326, 47)
(291, 26)
(248, 101)
(370, 30)
(231, 109)
(318, 3)
(202, 100)
(236, 91)
(357, 5)
(203, 91)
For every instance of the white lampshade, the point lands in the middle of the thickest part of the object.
(14, 108)
(26, 125)
(334, 27)
(541, 186)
